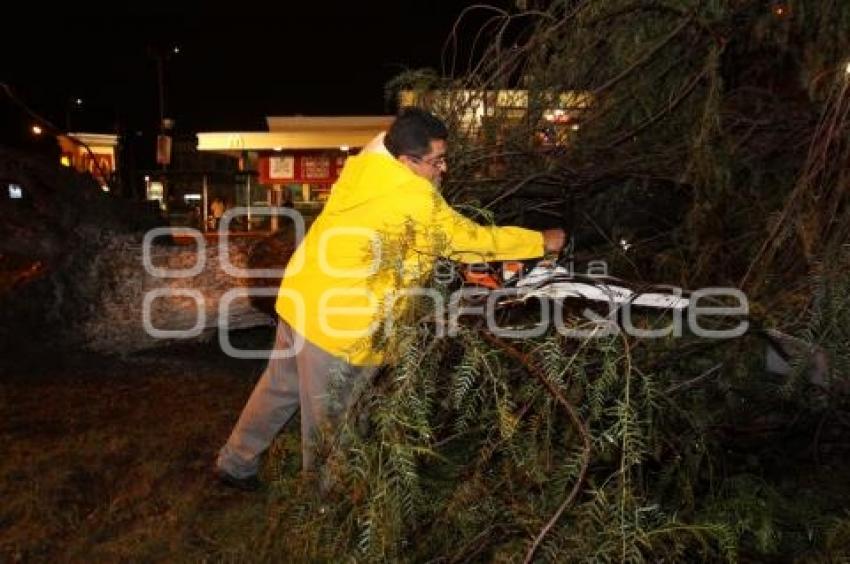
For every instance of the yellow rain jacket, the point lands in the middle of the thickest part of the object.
(379, 232)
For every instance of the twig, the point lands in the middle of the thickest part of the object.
(644, 58)
(515, 188)
(531, 366)
(693, 381)
(683, 95)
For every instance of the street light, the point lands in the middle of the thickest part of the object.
(36, 130)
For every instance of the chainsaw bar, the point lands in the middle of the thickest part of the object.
(554, 282)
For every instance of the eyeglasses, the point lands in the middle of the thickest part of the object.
(439, 162)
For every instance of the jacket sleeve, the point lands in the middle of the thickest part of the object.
(445, 232)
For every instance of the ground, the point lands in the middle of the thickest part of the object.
(109, 459)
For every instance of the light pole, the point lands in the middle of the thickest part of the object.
(160, 87)
(73, 104)
(159, 55)
(165, 124)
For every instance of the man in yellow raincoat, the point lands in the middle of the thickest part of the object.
(385, 208)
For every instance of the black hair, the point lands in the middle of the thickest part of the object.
(412, 132)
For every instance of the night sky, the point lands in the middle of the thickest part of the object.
(236, 64)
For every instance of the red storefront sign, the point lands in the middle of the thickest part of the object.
(321, 168)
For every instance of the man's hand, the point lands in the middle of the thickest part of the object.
(554, 241)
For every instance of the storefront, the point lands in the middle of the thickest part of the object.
(90, 152)
(295, 163)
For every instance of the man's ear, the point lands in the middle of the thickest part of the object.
(406, 161)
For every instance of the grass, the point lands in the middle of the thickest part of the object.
(109, 459)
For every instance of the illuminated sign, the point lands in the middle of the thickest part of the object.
(282, 168)
(101, 166)
(301, 167)
(316, 167)
(163, 149)
(155, 191)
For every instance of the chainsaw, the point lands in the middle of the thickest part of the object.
(547, 279)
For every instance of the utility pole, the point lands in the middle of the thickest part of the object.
(163, 142)
(72, 104)
(161, 87)
(163, 139)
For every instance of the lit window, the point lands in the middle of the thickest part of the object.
(15, 192)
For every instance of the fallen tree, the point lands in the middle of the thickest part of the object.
(75, 272)
(619, 448)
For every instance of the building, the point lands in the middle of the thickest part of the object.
(94, 153)
(299, 158)
(295, 162)
(485, 113)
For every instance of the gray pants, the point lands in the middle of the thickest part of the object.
(321, 383)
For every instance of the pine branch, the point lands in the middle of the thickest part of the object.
(531, 366)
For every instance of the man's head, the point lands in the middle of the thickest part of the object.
(418, 140)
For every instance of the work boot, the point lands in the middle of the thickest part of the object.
(247, 484)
